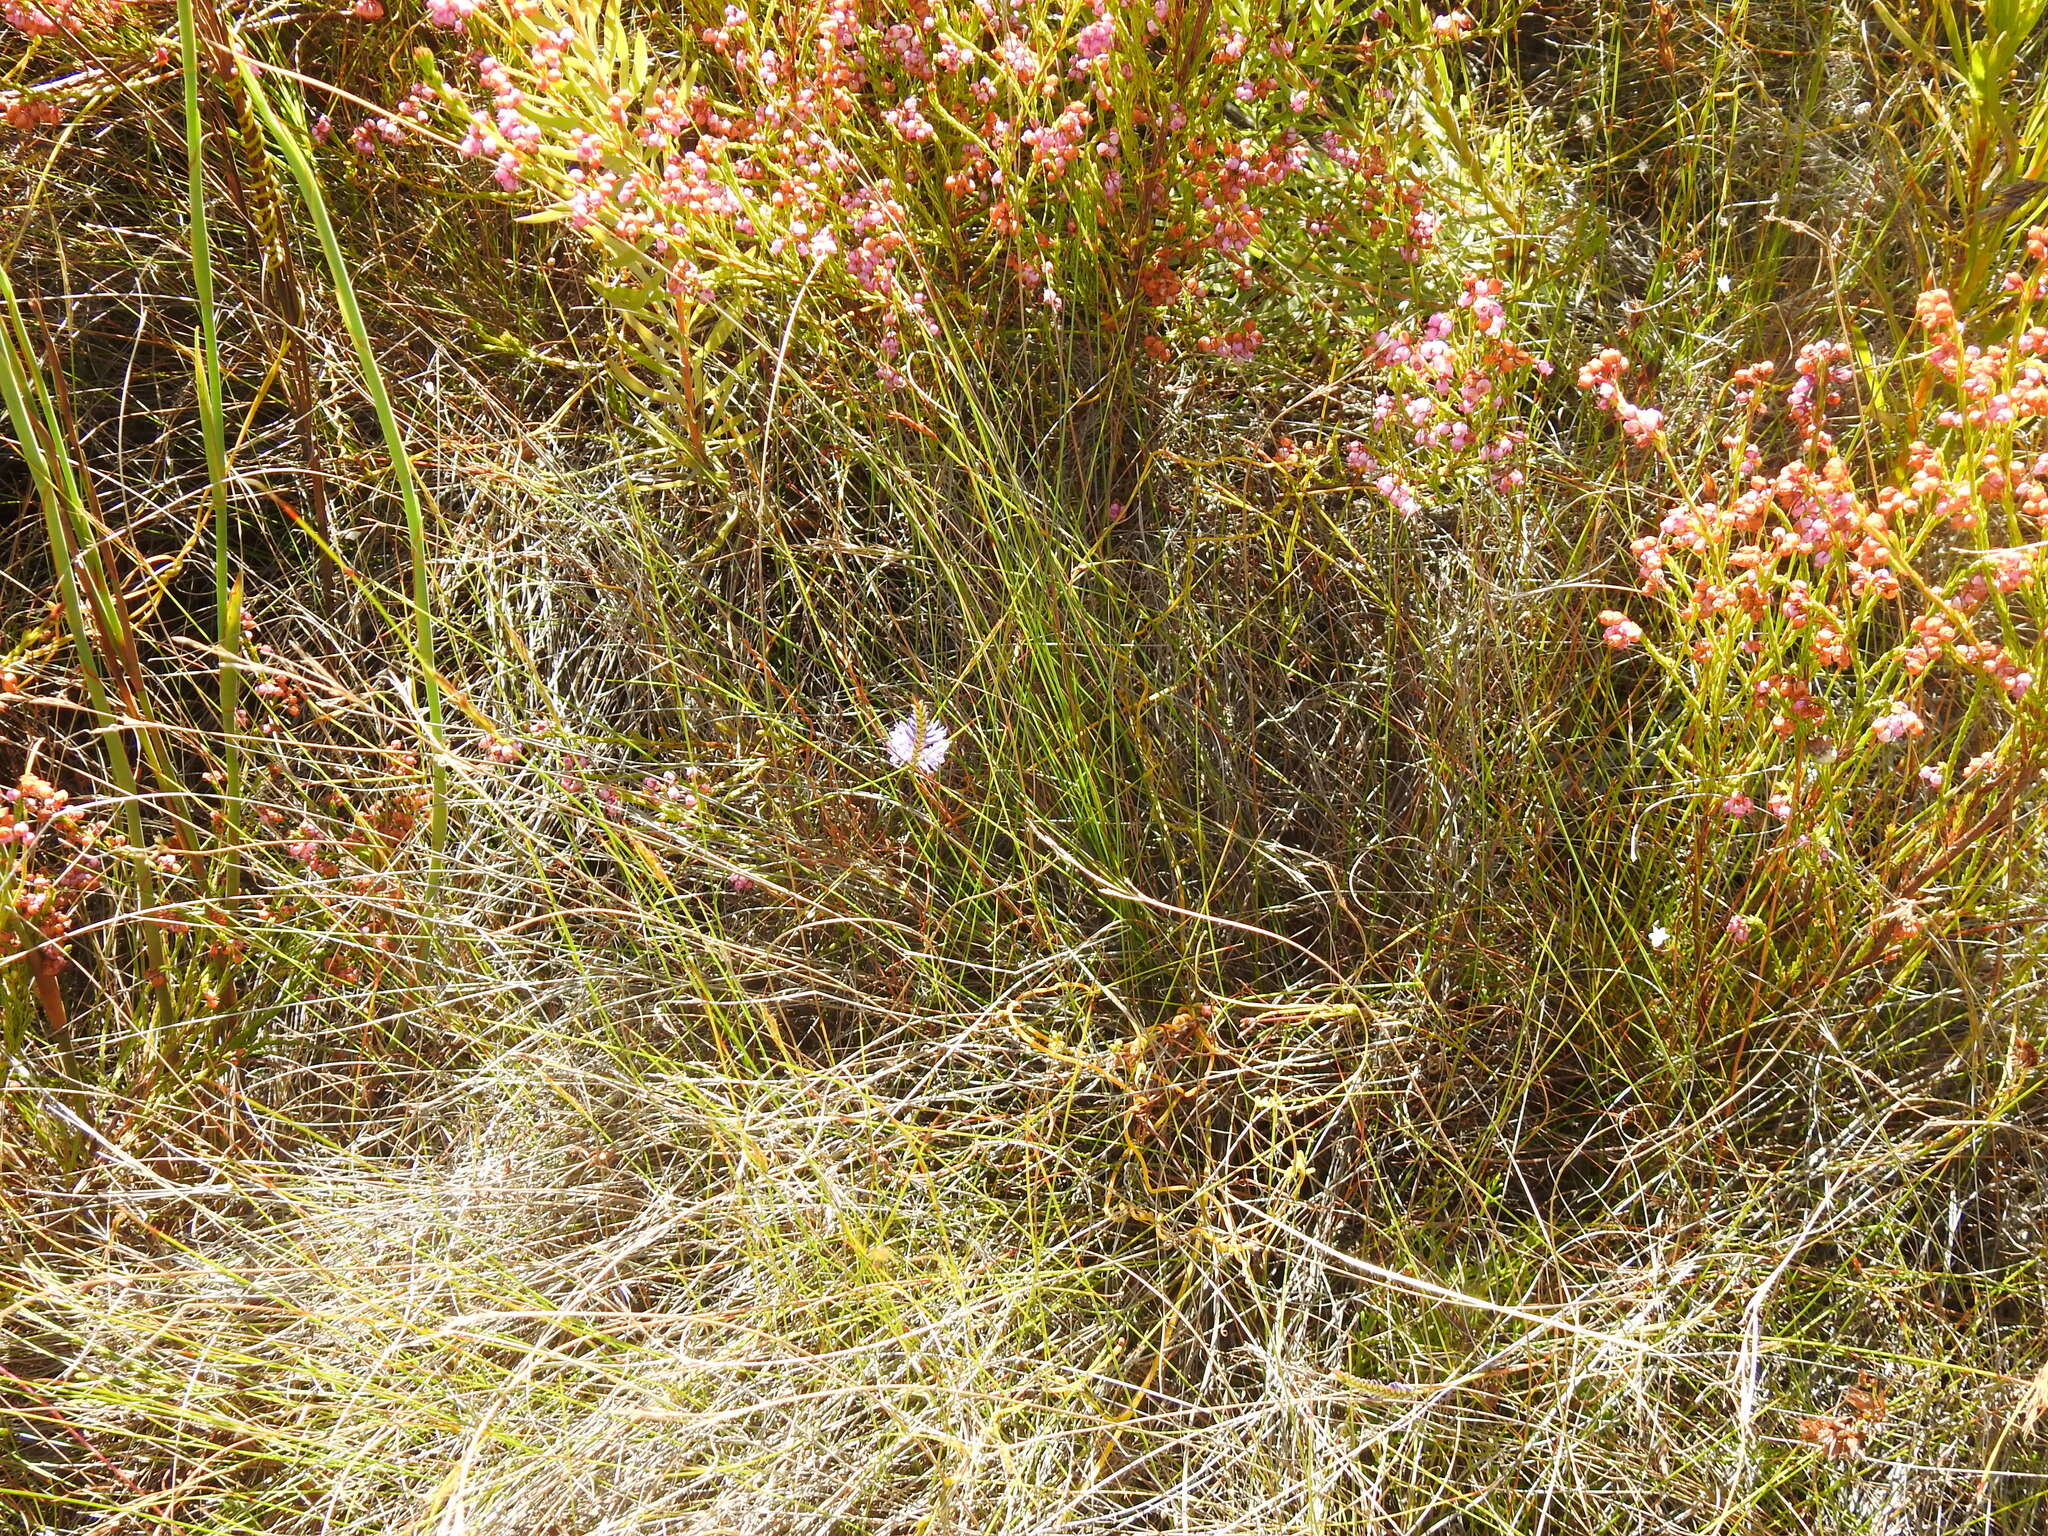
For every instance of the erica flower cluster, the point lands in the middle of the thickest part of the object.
(29, 808)
(83, 44)
(1791, 562)
(1601, 374)
(1859, 637)
(54, 18)
(52, 857)
(842, 152)
(1445, 406)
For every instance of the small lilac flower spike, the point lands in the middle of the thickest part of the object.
(919, 741)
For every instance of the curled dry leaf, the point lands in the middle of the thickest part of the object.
(1845, 1434)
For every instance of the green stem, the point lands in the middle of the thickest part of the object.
(293, 150)
(208, 381)
(36, 429)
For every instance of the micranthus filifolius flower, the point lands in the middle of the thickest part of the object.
(919, 741)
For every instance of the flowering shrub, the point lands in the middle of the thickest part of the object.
(43, 892)
(1855, 643)
(830, 191)
(1446, 396)
(843, 211)
(62, 18)
(1434, 410)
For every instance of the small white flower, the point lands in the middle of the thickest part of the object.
(920, 742)
(1660, 937)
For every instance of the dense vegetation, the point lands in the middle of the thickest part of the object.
(911, 766)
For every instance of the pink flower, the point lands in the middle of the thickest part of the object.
(1640, 424)
(1601, 374)
(1897, 724)
(1092, 42)
(26, 112)
(45, 20)
(1016, 57)
(909, 121)
(1238, 345)
(2010, 568)
(1400, 493)
(1737, 805)
(1619, 632)
(307, 847)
